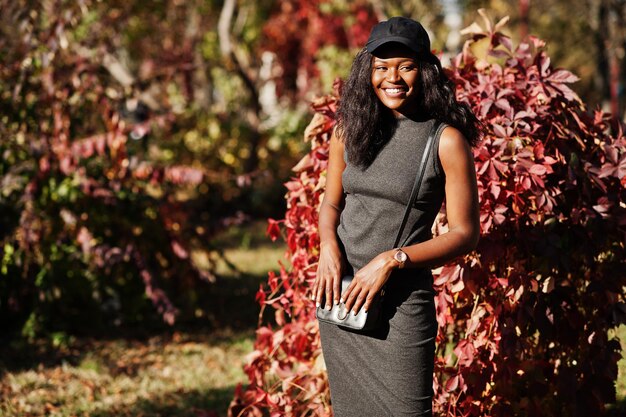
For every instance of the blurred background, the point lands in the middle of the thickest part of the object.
(144, 146)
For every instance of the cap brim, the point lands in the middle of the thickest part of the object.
(371, 47)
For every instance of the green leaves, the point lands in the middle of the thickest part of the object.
(7, 258)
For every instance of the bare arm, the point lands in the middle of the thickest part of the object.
(333, 200)
(463, 220)
(462, 209)
(327, 281)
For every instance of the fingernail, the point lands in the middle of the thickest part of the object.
(317, 304)
(354, 313)
(341, 300)
(328, 307)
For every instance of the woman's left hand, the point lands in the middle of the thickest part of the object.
(367, 282)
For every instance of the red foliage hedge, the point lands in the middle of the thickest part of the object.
(524, 320)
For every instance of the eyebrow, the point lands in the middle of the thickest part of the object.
(382, 60)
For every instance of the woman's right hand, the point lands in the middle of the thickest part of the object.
(331, 262)
(328, 278)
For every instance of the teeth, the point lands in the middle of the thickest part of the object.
(394, 90)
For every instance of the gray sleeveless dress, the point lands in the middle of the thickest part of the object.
(388, 371)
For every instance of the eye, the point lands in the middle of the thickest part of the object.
(380, 68)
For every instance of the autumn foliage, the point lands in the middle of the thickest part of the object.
(298, 29)
(524, 320)
(91, 216)
(133, 132)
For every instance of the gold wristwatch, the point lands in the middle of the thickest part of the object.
(400, 256)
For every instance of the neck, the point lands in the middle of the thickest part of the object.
(416, 115)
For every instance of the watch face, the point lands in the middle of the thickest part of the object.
(400, 256)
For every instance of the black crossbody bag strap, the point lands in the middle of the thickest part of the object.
(418, 179)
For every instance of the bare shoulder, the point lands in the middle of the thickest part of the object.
(451, 139)
(454, 148)
(336, 137)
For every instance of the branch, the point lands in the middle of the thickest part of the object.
(223, 27)
(228, 51)
(117, 70)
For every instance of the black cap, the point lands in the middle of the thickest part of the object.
(399, 29)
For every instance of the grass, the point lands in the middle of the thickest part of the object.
(248, 251)
(619, 408)
(247, 255)
(180, 374)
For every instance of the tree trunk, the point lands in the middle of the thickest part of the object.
(524, 6)
(245, 72)
(600, 29)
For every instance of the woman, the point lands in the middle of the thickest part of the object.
(394, 94)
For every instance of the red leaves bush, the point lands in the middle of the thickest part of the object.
(524, 320)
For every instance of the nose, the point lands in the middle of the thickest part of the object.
(393, 75)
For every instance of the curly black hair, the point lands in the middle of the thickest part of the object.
(365, 124)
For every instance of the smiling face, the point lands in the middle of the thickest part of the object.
(395, 78)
